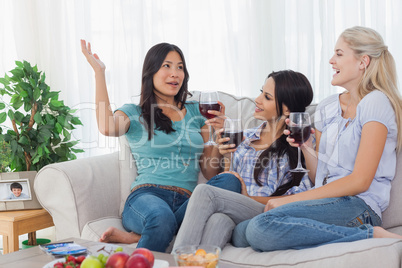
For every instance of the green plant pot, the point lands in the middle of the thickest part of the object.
(39, 241)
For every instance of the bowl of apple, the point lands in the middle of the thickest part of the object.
(204, 256)
(140, 258)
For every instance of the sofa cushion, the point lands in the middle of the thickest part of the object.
(94, 229)
(363, 253)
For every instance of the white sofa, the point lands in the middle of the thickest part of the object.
(86, 196)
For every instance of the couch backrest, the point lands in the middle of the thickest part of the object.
(236, 107)
(392, 216)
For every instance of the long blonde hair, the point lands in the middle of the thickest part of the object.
(380, 74)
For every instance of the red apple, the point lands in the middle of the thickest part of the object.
(146, 253)
(117, 260)
(137, 261)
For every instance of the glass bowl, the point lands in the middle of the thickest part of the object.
(203, 256)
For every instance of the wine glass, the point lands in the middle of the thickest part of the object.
(300, 130)
(232, 128)
(209, 101)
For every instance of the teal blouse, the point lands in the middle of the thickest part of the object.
(167, 159)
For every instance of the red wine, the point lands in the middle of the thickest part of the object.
(205, 106)
(235, 137)
(300, 133)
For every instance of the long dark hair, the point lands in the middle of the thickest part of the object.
(150, 111)
(293, 90)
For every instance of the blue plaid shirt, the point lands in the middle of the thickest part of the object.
(244, 160)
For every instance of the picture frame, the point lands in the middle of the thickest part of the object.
(15, 190)
(26, 180)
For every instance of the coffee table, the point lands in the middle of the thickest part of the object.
(34, 257)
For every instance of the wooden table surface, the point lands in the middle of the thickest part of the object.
(17, 222)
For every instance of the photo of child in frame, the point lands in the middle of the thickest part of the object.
(15, 190)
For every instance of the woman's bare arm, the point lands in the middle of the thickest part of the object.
(109, 124)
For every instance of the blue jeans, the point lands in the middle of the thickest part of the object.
(157, 213)
(307, 224)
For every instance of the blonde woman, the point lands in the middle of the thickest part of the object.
(357, 138)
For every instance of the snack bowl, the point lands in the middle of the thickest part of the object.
(203, 256)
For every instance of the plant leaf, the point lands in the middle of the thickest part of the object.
(4, 81)
(67, 135)
(24, 94)
(3, 117)
(59, 128)
(19, 64)
(11, 114)
(17, 73)
(76, 121)
(77, 150)
(36, 159)
(17, 103)
(56, 103)
(28, 67)
(38, 118)
(36, 93)
(14, 146)
(61, 119)
(71, 143)
(23, 140)
(33, 82)
(18, 116)
(25, 86)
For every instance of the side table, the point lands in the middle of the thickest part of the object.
(18, 222)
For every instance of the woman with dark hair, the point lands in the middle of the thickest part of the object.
(261, 166)
(166, 135)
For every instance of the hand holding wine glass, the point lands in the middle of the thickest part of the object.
(300, 130)
(232, 129)
(209, 101)
(223, 144)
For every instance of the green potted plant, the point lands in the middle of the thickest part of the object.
(40, 125)
(35, 126)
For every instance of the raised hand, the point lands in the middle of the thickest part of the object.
(93, 59)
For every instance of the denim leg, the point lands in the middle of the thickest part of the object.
(239, 238)
(225, 181)
(207, 200)
(330, 220)
(150, 212)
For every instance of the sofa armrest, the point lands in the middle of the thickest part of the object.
(78, 191)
